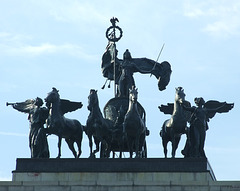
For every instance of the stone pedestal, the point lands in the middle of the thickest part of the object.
(114, 170)
(155, 174)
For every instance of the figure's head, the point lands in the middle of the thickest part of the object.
(199, 101)
(180, 95)
(38, 102)
(127, 55)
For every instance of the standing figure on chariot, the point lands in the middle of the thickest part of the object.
(124, 70)
(121, 71)
(126, 80)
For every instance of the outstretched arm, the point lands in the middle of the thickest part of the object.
(192, 109)
(21, 109)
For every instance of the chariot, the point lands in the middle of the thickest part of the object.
(115, 110)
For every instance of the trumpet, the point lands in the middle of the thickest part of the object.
(7, 103)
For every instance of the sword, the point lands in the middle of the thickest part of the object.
(157, 58)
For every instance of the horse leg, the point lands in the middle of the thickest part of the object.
(90, 145)
(130, 146)
(140, 145)
(59, 146)
(79, 144)
(137, 148)
(163, 134)
(175, 146)
(164, 143)
(70, 143)
(97, 143)
(120, 144)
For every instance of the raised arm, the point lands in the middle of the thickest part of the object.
(191, 109)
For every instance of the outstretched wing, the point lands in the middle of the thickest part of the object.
(167, 109)
(25, 106)
(69, 106)
(162, 71)
(148, 66)
(217, 107)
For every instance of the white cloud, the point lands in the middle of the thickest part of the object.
(221, 18)
(36, 50)
(48, 48)
(77, 12)
(20, 45)
(223, 27)
(13, 134)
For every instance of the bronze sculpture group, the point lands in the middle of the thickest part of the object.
(197, 117)
(122, 125)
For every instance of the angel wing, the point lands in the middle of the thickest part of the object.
(148, 66)
(214, 107)
(162, 71)
(167, 109)
(25, 106)
(69, 106)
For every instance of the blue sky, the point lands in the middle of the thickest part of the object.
(45, 44)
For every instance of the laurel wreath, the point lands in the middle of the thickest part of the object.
(108, 36)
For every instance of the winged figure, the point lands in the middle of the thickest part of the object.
(37, 116)
(124, 69)
(200, 115)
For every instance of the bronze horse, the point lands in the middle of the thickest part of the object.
(134, 126)
(57, 124)
(173, 128)
(97, 127)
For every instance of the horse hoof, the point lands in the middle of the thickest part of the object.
(79, 154)
(92, 156)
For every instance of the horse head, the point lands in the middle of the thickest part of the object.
(133, 94)
(92, 99)
(52, 97)
(180, 95)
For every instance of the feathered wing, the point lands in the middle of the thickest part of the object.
(148, 66)
(162, 71)
(25, 106)
(217, 107)
(167, 109)
(69, 106)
